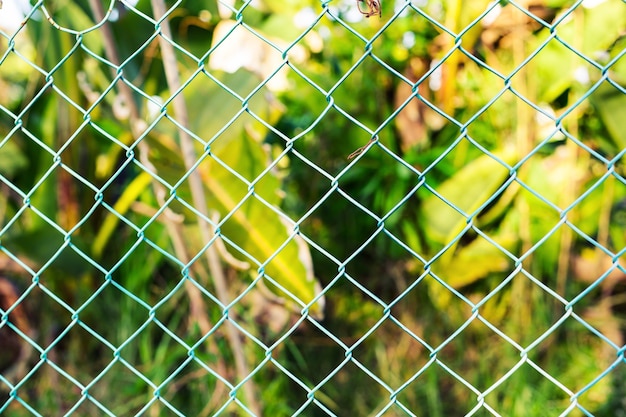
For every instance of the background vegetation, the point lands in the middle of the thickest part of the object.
(426, 268)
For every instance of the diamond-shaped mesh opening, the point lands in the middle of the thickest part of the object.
(453, 395)
(340, 208)
(194, 378)
(120, 376)
(329, 154)
(51, 246)
(387, 349)
(584, 341)
(548, 397)
(341, 246)
(297, 169)
(296, 361)
(296, 119)
(104, 301)
(536, 314)
(594, 14)
(578, 69)
(445, 85)
(283, 384)
(420, 119)
(478, 347)
(79, 368)
(357, 75)
(151, 336)
(536, 123)
(69, 187)
(204, 122)
(60, 393)
(379, 197)
(392, 268)
(508, 26)
(348, 375)
(436, 294)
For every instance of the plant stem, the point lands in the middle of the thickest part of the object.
(170, 66)
(196, 304)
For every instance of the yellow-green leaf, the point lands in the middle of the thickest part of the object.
(130, 195)
(256, 230)
(467, 190)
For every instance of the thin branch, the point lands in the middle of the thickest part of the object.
(170, 66)
(137, 126)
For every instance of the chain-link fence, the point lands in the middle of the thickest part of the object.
(302, 208)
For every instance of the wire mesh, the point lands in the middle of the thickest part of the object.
(304, 208)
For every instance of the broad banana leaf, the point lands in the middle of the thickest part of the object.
(554, 69)
(467, 190)
(256, 230)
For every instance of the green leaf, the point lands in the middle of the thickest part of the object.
(467, 190)
(254, 227)
(41, 245)
(130, 195)
(12, 159)
(592, 32)
(248, 223)
(476, 261)
(69, 14)
(611, 105)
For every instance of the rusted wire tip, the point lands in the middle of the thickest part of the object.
(373, 7)
(361, 149)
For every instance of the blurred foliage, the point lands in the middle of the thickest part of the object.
(503, 204)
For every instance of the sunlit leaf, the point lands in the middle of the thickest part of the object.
(467, 190)
(256, 229)
(611, 105)
(12, 159)
(130, 195)
(476, 261)
(592, 30)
